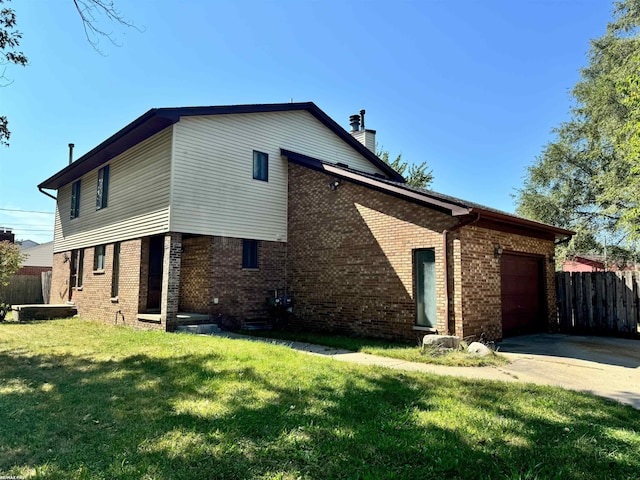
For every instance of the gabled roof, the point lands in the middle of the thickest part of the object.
(453, 206)
(158, 119)
(38, 256)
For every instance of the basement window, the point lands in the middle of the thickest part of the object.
(249, 254)
(260, 166)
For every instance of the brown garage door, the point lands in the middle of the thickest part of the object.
(523, 308)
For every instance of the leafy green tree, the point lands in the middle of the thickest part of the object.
(10, 262)
(587, 179)
(9, 54)
(417, 175)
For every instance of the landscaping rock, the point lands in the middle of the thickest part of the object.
(441, 341)
(478, 349)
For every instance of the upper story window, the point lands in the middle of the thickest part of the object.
(249, 254)
(75, 199)
(103, 188)
(260, 166)
(98, 258)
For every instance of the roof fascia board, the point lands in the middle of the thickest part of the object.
(508, 219)
(117, 143)
(168, 116)
(315, 164)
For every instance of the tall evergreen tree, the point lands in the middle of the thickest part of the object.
(588, 178)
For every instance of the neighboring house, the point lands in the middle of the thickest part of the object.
(597, 263)
(209, 209)
(583, 263)
(39, 258)
(27, 243)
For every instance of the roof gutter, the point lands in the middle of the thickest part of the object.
(47, 193)
(451, 329)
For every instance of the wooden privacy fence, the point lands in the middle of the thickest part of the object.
(22, 289)
(599, 303)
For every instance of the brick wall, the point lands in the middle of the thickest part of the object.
(242, 293)
(171, 280)
(60, 278)
(94, 300)
(209, 267)
(351, 263)
(351, 257)
(195, 282)
(481, 291)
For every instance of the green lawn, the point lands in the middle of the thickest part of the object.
(402, 351)
(83, 400)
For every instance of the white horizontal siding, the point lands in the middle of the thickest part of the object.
(138, 198)
(213, 190)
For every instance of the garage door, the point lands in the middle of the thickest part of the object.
(523, 306)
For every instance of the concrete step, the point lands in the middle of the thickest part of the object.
(23, 313)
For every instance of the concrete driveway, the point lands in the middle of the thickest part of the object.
(607, 367)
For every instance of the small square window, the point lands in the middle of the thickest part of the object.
(103, 188)
(98, 258)
(260, 166)
(249, 254)
(75, 199)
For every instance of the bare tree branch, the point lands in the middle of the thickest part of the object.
(91, 11)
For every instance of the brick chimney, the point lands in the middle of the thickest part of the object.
(7, 234)
(360, 133)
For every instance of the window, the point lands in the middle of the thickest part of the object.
(260, 166)
(424, 272)
(98, 258)
(77, 266)
(103, 188)
(115, 274)
(75, 199)
(249, 254)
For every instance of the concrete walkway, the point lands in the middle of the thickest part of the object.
(607, 367)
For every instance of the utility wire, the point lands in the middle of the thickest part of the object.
(24, 211)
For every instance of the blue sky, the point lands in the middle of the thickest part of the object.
(472, 87)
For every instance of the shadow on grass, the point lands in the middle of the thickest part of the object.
(216, 415)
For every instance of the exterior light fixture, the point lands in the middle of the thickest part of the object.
(552, 259)
(334, 185)
(497, 251)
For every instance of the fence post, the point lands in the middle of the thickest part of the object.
(46, 286)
